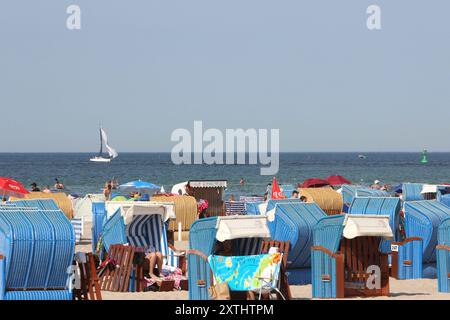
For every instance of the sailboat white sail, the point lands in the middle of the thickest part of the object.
(111, 151)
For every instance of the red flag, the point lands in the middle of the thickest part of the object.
(276, 192)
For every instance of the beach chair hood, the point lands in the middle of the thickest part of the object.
(130, 209)
(238, 227)
(356, 225)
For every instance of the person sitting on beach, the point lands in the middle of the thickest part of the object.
(295, 194)
(107, 190)
(34, 187)
(47, 189)
(303, 199)
(58, 184)
(155, 259)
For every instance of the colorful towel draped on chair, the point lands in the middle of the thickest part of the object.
(243, 273)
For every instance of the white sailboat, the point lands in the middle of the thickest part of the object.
(111, 151)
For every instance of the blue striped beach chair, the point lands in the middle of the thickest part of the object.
(202, 239)
(443, 256)
(341, 266)
(144, 231)
(36, 248)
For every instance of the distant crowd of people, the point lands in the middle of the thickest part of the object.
(57, 186)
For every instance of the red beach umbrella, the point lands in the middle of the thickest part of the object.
(337, 180)
(314, 183)
(276, 191)
(10, 187)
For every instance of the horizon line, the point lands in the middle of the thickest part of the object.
(148, 152)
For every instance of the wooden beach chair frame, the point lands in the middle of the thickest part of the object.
(354, 256)
(89, 280)
(117, 279)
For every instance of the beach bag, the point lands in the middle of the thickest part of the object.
(219, 291)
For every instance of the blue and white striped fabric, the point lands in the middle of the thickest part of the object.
(235, 208)
(78, 224)
(144, 231)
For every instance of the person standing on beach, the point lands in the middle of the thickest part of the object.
(107, 190)
(242, 181)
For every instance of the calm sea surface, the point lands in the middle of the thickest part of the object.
(81, 176)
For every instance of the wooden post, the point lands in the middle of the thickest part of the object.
(339, 275)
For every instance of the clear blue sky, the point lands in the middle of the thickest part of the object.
(143, 68)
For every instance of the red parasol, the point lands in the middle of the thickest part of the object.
(315, 183)
(337, 180)
(276, 191)
(10, 187)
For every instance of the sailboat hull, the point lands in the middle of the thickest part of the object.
(100, 159)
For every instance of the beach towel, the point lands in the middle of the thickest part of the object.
(243, 273)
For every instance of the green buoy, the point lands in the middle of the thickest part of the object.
(424, 157)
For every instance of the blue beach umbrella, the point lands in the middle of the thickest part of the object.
(139, 186)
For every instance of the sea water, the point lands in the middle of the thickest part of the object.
(80, 176)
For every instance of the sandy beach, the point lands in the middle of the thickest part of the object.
(420, 289)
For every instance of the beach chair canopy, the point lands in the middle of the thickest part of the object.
(294, 222)
(179, 188)
(422, 219)
(185, 208)
(390, 207)
(38, 247)
(444, 232)
(412, 191)
(61, 200)
(129, 209)
(207, 183)
(82, 207)
(326, 198)
(268, 209)
(351, 191)
(239, 227)
(211, 191)
(356, 225)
